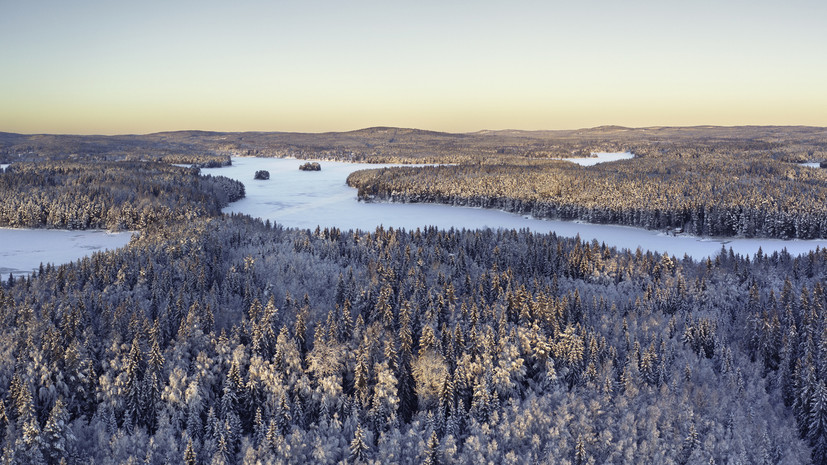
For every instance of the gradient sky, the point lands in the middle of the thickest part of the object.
(111, 67)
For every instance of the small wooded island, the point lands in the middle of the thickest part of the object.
(262, 175)
(311, 166)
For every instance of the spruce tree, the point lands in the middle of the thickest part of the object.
(57, 435)
(358, 446)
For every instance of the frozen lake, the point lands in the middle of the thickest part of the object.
(23, 250)
(308, 199)
(600, 157)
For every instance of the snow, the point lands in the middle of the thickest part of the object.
(3, 166)
(306, 199)
(23, 250)
(814, 164)
(600, 157)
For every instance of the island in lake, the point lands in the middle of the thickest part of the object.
(311, 166)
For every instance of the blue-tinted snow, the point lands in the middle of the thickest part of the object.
(307, 199)
(23, 250)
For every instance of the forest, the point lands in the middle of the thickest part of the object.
(108, 195)
(709, 181)
(705, 191)
(402, 145)
(225, 339)
(229, 340)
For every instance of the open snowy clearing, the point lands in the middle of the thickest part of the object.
(308, 199)
(23, 250)
(600, 157)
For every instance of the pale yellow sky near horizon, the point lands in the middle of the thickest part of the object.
(105, 68)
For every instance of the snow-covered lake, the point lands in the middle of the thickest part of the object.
(23, 250)
(306, 199)
(600, 157)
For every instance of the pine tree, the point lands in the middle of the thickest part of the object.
(580, 456)
(189, 454)
(21, 398)
(691, 442)
(259, 428)
(358, 447)
(27, 449)
(300, 328)
(384, 309)
(432, 450)
(481, 400)
(4, 419)
(360, 376)
(134, 377)
(806, 384)
(385, 401)
(283, 417)
(817, 431)
(222, 453)
(151, 391)
(57, 435)
(428, 340)
(447, 396)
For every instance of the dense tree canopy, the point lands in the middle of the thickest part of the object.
(231, 341)
(715, 192)
(112, 195)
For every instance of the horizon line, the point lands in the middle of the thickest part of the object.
(380, 127)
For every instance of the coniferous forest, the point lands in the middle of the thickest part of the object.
(108, 195)
(224, 339)
(709, 191)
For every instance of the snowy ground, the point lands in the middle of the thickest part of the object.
(3, 166)
(23, 250)
(814, 164)
(308, 199)
(600, 157)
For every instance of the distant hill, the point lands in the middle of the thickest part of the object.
(383, 144)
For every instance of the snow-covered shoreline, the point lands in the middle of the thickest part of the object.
(23, 250)
(600, 157)
(305, 200)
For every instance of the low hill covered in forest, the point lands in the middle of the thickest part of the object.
(400, 145)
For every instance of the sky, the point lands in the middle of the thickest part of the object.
(110, 67)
